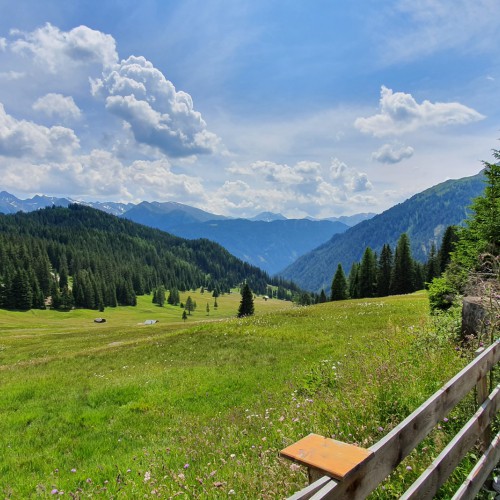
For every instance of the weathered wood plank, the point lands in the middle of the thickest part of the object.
(394, 447)
(480, 473)
(481, 395)
(441, 468)
(309, 491)
(326, 456)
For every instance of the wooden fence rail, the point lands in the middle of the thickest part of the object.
(384, 456)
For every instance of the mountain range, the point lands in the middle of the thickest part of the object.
(303, 250)
(268, 240)
(424, 217)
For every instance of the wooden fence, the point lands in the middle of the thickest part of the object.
(370, 468)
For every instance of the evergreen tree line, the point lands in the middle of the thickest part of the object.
(82, 257)
(474, 266)
(391, 272)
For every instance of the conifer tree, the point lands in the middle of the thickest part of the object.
(403, 274)
(246, 305)
(160, 296)
(385, 264)
(354, 281)
(447, 246)
(368, 274)
(22, 292)
(433, 266)
(322, 297)
(189, 305)
(339, 285)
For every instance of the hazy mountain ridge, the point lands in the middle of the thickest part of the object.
(268, 245)
(10, 204)
(424, 217)
(268, 240)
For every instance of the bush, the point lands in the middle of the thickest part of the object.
(441, 294)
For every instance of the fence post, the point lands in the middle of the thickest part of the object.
(482, 393)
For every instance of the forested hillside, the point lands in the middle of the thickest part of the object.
(423, 217)
(84, 257)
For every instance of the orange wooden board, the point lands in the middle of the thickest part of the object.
(333, 458)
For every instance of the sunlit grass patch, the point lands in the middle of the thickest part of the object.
(204, 408)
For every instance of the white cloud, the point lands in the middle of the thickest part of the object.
(3, 44)
(158, 115)
(305, 188)
(55, 50)
(22, 138)
(392, 154)
(11, 75)
(421, 28)
(57, 105)
(400, 113)
(348, 178)
(155, 180)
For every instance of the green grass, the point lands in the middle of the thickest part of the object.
(202, 408)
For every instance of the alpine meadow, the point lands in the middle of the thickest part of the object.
(249, 250)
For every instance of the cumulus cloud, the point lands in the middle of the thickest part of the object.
(158, 115)
(305, 188)
(400, 113)
(156, 178)
(22, 138)
(349, 178)
(3, 44)
(392, 154)
(55, 50)
(57, 105)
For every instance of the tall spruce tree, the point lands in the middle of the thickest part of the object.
(354, 281)
(403, 273)
(447, 246)
(22, 291)
(433, 265)
(385, 263)
(368, 274)
(339, 285)
(246, 305)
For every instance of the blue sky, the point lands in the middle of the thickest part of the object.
(320, 108)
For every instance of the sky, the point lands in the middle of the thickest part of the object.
(308, 109)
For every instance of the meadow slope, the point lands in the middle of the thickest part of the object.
(202, 409)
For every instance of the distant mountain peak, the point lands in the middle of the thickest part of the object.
(268, 217)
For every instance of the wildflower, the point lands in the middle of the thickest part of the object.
(408, 467)
(73, 470)
(281, 418)
(88, 480)
(232, 455)
(294, 467)
(186, 466)
(147, 476)
(55, 491)
(231, 492)
(380, 429)
(181, 476)
(445, 420)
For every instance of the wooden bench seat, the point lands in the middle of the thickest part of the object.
(325, 456)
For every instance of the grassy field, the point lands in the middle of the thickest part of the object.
(202, 408)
